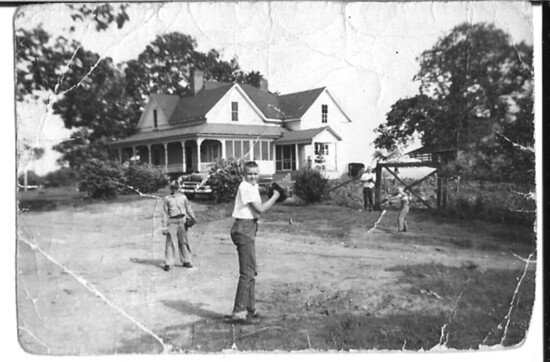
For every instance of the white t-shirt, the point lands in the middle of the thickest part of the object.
(247, 193)
(368, 179)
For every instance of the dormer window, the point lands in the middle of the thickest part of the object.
(234, 111)
(155, 119)
(324, 113)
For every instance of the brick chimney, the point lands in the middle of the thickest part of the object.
(196, 81)
(263, 84)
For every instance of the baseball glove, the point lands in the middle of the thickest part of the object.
(282, 193)
(189, 222)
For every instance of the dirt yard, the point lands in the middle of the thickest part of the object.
(95, 285)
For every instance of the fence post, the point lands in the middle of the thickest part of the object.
(438, 191)
(444, 196)
(377, 184)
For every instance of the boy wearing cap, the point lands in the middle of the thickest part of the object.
(247, 210)
(176, 211)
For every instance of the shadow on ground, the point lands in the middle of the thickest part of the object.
(154, 262)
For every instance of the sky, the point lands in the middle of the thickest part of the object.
(365, 53)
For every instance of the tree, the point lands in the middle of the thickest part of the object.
(41, 60)
(475, 96)
(48, 68)
(165, 67)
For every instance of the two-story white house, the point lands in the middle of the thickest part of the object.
(282, 133)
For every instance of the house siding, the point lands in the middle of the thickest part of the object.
(312, 118)
(148, 118)
(221, 112)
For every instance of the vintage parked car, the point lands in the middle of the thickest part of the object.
(195, 184)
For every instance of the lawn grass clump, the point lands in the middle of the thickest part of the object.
(479, 299)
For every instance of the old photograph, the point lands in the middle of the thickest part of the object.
(244, 177)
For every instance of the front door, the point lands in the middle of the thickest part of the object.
(285, 157)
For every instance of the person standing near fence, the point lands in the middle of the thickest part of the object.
(401, 198)
(177, 211)
(368, 179)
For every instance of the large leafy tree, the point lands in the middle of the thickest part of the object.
(49, 69)
(475, 96)
(165, 67)
(102, 101)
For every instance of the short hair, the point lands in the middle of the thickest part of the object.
(250, 164)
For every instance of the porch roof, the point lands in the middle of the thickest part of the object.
(304, 136)
(205, 130)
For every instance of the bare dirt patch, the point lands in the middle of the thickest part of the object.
(324, 282)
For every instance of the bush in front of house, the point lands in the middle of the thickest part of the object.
(145, 178)
(65, 176)
(310, 185)
(32, 178)
(349, 195)
(101, 179)
(224, 179)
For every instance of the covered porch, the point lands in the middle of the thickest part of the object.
(194, 149)
(198, 155)
(313, 148)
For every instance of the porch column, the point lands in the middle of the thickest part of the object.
(335, 157)
(183, 156)
(149, 153)
(223, 149)
(297, 156)
(133, 152)
(199, 142)
(120, 155)
(165, 157)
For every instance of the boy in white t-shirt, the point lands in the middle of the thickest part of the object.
(248, 208)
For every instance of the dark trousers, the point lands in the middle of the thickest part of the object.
(243, 234)
(368, 198)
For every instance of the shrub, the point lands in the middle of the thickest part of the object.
(145, 178)
(32, 178)
(100, 179)
(310, 185)
(224, 179)
(349, 195)
(63, 177)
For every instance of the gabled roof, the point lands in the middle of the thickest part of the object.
(272, 106)
(304, 136)
(190, 108)
(266, 102)
(294, 105)
(167, 103)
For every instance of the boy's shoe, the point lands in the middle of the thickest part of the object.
(242, 318)
(167, 268)
(253, 315)
(187, 265)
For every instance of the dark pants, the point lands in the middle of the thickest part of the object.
(368, 198)
(243, 234)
